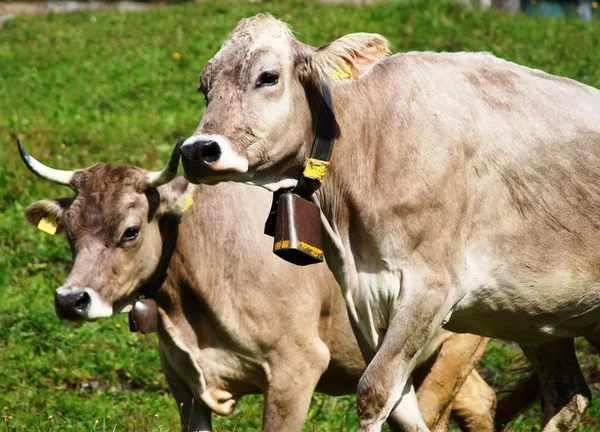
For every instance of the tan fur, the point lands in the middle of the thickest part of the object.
(463, 189)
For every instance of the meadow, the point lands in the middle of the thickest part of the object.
(121, 88)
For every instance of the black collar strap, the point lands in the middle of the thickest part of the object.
(317, 164)
(169, 230)
(319, 158)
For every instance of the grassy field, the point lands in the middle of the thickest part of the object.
(121, 88)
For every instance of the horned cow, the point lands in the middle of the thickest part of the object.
(232, 320)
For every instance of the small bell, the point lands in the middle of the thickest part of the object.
(143, 317)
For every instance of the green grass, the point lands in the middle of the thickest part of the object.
(85, 88)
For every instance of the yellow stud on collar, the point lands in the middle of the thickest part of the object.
(315, 169)
(188, 203)
(48, 225)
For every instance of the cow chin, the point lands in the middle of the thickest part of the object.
(275, 185)
(197, 174)
(124, 305)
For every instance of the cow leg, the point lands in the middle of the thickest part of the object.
(453, 364)
(195, 416)
(565, 394)
(286, 406)
(475, 404)
(594, 339)
(416, 317)
(444, 421)
(406, 414)
(290, 390)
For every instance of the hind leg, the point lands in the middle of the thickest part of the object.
(565, 395)
(475, 405)
(594, 339)
(453, 364)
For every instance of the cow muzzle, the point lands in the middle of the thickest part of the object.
(80, 304)
(207, 156)
(72, 305)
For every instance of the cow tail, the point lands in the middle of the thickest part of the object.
(517, 400)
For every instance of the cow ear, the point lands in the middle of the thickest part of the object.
(349, 57)
(175, 196)
(48, 214)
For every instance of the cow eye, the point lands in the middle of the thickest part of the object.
(130, 234)
(267, 78)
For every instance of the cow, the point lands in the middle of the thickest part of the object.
(463, 191)
(231, 321)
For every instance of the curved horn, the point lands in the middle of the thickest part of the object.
(41, 170)
(168, 173)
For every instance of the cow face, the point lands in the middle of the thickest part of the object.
(262, 100)
(112, 227)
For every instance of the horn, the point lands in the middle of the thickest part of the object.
(168, 173)
(57, 176)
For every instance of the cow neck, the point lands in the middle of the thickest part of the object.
(320, 155)
(169, 231)
(143, 316)
(351, 180)
(322, 147)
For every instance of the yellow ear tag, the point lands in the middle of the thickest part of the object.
(341, 72)
(188, 203)
(48, 225)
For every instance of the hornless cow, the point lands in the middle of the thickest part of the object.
(232, 320)
(463, 190)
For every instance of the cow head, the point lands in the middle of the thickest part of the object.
(261, 95)
(112, 227)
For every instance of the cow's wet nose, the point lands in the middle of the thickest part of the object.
(72, 305)
(201, 151)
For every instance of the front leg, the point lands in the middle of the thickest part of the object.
(406, 416)
(416, 316)
(195, 416)
(286, 407)
(290, 390)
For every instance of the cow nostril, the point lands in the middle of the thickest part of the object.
(211, 151)
(72, 305)
(83, 302)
